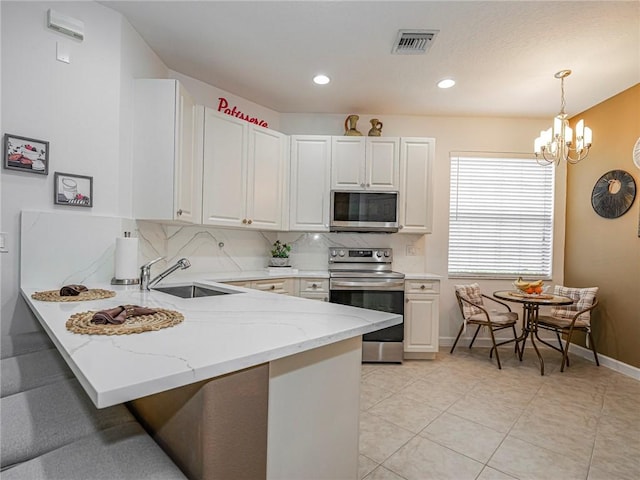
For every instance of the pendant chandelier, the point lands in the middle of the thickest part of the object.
(556, 143)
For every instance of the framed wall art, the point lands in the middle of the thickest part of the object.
(26, 154)
(73, 190)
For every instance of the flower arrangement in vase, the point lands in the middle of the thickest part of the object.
(280, 254)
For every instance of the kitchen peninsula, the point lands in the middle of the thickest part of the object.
(250, 384)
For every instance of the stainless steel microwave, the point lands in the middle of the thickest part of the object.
(364, 211)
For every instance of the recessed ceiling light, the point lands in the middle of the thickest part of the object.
(446, 83)
(321, 79)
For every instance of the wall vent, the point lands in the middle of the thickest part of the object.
(413, 42)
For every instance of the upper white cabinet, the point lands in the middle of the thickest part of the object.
(365, 163)
(166, 167)
(416, 192)
(310, 183)
(245, 171)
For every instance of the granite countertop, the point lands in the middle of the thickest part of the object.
(219, 335)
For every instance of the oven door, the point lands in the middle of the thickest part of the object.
(385, 295)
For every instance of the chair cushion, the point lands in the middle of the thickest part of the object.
(120, 452)
(582, 298)
(32, 370)
(559, 322)
(499, 318)
(45, 418)
(471, 293)
(22, 343)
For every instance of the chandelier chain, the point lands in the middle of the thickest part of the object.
(562, 101)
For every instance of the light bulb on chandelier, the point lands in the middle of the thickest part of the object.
(556, 143)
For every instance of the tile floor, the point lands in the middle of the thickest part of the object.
(459, 417)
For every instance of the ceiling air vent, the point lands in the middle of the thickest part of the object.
(413, 42)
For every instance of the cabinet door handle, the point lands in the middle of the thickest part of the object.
(249, 222)
(244, 220)
(368, 185)
(314, 286)
(422, 287)
(179, 212)
(273, 287)
(362, 185)
(406, 300)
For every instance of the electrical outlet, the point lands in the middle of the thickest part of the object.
(411, 251)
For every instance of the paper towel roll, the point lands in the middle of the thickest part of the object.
(126, 258)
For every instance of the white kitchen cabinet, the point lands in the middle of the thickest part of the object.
(166, 167)
(244, 174)
(421, 319)
(416, 191)
(314, 288)
(284, 286)
(310, 183)
(365, 163)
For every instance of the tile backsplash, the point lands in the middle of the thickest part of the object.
(226, 250)
(80, 248)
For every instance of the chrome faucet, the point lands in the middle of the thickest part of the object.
(145, 272)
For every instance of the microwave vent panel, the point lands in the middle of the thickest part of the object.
(413, 42)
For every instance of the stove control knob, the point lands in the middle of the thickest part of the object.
(341, 253)
(379, 254)
(387, 253)
(334, 253)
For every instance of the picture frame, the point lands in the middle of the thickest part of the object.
(72, 190)
(26, 154)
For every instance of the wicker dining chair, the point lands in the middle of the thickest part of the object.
(475, 312)
(566, 320)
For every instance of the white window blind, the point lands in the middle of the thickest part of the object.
(500, 216)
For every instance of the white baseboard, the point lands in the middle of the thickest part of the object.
(611, 363)
(582, 352)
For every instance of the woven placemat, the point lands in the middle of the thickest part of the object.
(91, 294)
(81, 323)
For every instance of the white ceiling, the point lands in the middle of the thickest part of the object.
(503, 54)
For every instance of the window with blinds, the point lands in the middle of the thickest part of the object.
(500, 216)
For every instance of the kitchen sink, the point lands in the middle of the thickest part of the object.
(194, 291)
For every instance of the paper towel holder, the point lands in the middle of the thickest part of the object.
(125, 281)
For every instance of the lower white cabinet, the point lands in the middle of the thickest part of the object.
(283, 286)
(314, 288)
(421, 318)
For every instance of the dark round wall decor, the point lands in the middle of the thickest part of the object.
(613, 194)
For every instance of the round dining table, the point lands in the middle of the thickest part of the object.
(531, 304)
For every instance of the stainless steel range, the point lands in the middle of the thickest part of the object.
(362, 277)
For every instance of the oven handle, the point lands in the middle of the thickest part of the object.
(367, 285)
